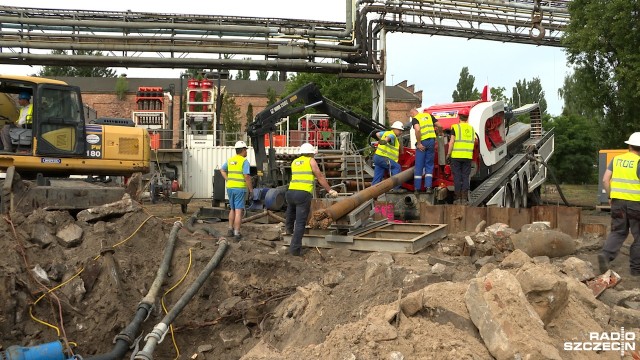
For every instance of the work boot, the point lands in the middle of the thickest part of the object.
(464, 197)
(230, 232)
(603, 263)
(237, 237)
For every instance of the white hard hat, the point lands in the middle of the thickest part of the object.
(634, 139)
(240, 145)
(306, 148)
(397, 125)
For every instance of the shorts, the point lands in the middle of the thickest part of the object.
(236, 198)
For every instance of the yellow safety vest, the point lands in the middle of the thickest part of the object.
(624, 182)
(464, 141)
(235, 177)
(302, 175)
(29, 117)
(426, 126)
(387, 150)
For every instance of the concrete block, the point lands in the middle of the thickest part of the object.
(70, 235)
(578, 269)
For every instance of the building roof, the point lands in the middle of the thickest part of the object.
(235, 87)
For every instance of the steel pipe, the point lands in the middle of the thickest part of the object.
(325, 217)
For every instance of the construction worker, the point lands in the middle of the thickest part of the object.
(460, 154)
(236, 172)
(304, 172)
(621, 181)
(424, 126)
(25, 120)
(387, 153)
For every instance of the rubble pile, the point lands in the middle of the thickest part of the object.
(475, 295)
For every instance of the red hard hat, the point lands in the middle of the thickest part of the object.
(463, 112)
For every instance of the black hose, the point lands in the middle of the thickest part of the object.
(553, 178)
(160, 330)
(125, 339)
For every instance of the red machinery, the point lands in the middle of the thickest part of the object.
(317, 130)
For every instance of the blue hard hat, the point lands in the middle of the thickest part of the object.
(24, 96)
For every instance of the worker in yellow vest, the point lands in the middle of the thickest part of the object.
(387, 153)
(304, 172)
(460, 155)
(25, 120)
(236, 172)
(424, 125)
(621, 181)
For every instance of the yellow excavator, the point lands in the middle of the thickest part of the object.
(57, 142)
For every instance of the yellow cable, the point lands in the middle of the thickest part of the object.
(165, 309)
(34, 318)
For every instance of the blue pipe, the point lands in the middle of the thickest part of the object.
(48, 351)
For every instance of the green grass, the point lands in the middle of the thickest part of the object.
(578, 195)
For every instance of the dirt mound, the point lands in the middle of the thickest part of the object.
(261, 303)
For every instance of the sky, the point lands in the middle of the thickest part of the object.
(431, 63)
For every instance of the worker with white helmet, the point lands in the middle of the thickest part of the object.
(387, 153)
(236, 172)
(304, 172)
(621, 181)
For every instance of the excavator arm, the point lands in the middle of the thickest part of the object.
(308, 96)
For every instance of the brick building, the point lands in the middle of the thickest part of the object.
(100, 95)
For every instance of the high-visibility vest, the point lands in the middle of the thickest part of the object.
(302, 175)
(387, 150)
(235, 177)
(29, 116)
(426, 126)
(624, 181)
(464, 141)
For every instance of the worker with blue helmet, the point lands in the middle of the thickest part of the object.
(25, 120)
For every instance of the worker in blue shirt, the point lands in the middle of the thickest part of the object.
(387, 153)
(236, 172)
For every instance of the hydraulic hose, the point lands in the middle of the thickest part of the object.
(125, 339)
(160, 330)
(553, 177)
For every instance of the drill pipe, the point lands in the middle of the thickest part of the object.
(323, 218)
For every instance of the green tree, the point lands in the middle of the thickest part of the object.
(122, 86)
(77, 71)
(576, 150)
(263, 74)
(354, 94)
(528, 92)
(497, 94)
(272, 96)
(274, 76)
(230, 115)
(602, 42)
(465, 90)
(249, 113)
(244, 74)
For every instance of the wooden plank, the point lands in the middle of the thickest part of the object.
(519, 217)
(431, 214)
(568, 219)
(599, 230)
(454, 217)
(497, 215)
(545, 213)
(473, 216)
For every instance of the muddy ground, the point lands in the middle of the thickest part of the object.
(261, 303)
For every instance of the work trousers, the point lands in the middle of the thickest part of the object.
(298, 207)
(461, 169)
(424, 165)
(381, 165)
(625, 217)
(5, 137)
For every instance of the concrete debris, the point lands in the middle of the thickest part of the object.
(603, 282)
(233, 336)
(544, 289)
(499, 230)
(40, 275)
(550, 243)
(623, 317)
(432, 260)
(205, 348)
(469, 246)
(115, 209)
(378, 264)
(438, 269)
(412, 303)
(333, 278)
(579, 269)
(613, 297)
(516, 259)
(535, 226)
(509, 326)
(395, 355)
(70, 236)
(42, 236)
(486, 269)
(484, 261)
(541, 260)
(380, 330)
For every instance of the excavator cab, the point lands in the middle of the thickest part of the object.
(56, 125)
